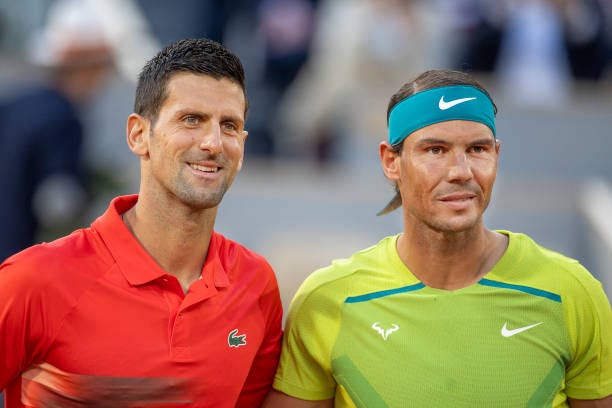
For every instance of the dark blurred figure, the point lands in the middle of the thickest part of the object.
(41, 134)
(180, 19)
(583, 38)
(586, 37)
(286, 28)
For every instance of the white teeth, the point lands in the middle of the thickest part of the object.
(204, 168)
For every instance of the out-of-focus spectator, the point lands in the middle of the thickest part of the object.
(41, 132)
(532, 65)
(172, 21)
(361, 52)
(285, 29)
(537, 48)
(587, 37)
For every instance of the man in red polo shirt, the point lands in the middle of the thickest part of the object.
(150, 306)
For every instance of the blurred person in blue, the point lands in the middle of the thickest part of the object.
(286, 29)
(538, 49)
(41, 130)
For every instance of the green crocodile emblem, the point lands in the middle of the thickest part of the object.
(236, 341)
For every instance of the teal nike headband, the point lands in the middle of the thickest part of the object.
(457, 102)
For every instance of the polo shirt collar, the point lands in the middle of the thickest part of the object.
(213, 266)
(132, 259)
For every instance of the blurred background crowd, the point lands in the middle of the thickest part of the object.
(319, 76)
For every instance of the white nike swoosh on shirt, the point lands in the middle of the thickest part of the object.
(509, 333)
(443, 105)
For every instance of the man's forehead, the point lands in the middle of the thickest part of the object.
(190, 86)
(453, 131)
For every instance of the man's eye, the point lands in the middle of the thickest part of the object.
(191, 120)
(478, 149)
(435, 150)
(230, 127)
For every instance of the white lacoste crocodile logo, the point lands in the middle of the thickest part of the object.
(511, 332)
(443, 105)
(385, 332)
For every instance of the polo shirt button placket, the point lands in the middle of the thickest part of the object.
(181, 349)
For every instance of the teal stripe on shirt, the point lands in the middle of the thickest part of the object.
(383, 293)
(521, 288)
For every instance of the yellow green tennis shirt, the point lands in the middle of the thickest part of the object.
(367, 332)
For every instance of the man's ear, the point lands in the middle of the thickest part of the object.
(244, 137)
(389, 160)
(498, 145)
(137, 131)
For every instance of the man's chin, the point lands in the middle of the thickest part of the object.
(202, 201)
(457, 225)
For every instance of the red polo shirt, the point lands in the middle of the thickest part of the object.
(91, 319)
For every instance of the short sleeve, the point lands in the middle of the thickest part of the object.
(589, 320)
(311, 327)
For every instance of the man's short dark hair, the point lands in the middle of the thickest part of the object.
(198, 56)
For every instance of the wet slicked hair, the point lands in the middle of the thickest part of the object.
(198, 56)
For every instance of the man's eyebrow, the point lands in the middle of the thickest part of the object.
(432, 140)
(196, 112)
(189, 111)
(232, 118)
(483, 141)
(435, 140)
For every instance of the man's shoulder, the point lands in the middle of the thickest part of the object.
(60, 259)
(230, 249)
(524, 248)
(545, 268)
(353, 275)
(242, 263)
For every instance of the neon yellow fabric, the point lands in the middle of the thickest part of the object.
(365, 331)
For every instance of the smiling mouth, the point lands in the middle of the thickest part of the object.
(203, 168)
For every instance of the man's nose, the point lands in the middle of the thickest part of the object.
(211, 138)
(460, 168)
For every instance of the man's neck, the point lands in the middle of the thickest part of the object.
(451, 260)
(177, 240)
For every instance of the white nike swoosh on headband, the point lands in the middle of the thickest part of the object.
(447, 105)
